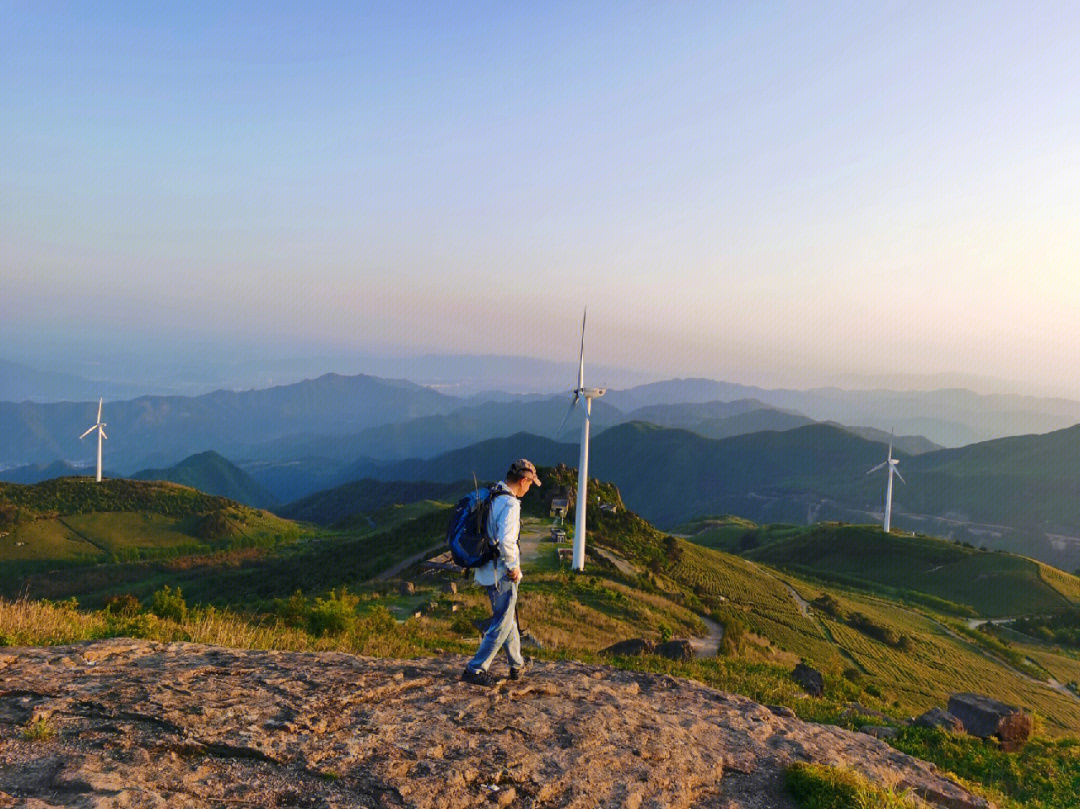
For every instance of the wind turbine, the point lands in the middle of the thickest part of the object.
(100, 427)
(891, 463)
(588, 394)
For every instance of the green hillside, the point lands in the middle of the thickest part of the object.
(993, 584)
(68, 521)
(367, 497)
(211, 473)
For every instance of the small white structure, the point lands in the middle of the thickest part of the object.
(100, 427)
(891, 463)
(588, 394)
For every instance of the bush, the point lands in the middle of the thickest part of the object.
(169, 603)
(124, 604)
(828, 604)
(293, 610)
(333, 615)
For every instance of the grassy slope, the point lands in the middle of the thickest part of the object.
(69, 522)
(994, 584)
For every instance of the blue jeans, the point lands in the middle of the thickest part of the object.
(503, 630)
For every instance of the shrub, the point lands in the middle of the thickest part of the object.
(828, 604)
(39, 730)
(169, 603)
(294, 609)
(124, 604)
(332, 615)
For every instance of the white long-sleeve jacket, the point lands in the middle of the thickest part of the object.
(504, 525)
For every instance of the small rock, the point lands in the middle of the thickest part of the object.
(880, 731)
(506, 796)
(782, 710)
(633, 646)
(450, 587)
(939, 718)
(810, 679)
(407, 588)
(676, 650)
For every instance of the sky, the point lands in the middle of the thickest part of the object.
(768, 193)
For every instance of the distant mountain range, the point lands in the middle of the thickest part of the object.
(19, 383)
(161, 430)
(1018, 494)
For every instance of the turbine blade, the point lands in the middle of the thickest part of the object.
(573, 404)
(99, 404)
(581, 361)
(103, 432)
(876, 468)
(88, 432)
(897, 471)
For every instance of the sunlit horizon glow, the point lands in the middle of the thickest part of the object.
(781, 196)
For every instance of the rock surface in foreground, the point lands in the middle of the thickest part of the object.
(180, 725)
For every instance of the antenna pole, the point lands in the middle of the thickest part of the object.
(582, 486)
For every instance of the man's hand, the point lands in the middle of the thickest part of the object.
(514, 575)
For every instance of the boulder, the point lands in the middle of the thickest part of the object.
(985, 717)
(939, 718)
(812, 680)
(407, 588)
(676, 650)
(450, 587)
(633, 646)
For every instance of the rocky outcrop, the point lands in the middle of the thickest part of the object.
(985, 717)
(144, 724)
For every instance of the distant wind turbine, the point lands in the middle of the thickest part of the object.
(891, 463)
(100, 427)
(588, 394)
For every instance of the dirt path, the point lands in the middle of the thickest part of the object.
(709, 645)
(804, 605)
(624, 566)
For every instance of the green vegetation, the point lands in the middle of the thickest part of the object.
(1045, 774)
(898, 654)
(992, 584)
(39, 730)
(1062, 627)
(355, 502)
(70, 523)
(814, 786)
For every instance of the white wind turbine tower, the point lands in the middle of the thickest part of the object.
(891, 463)
(588, 394)
(100, 427)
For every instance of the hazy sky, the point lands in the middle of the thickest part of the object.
(770, 193)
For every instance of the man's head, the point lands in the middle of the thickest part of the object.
(521, 475)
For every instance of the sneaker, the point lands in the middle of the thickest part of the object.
(519, 673)
(480, 677)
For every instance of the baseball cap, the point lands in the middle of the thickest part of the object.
(522, 468)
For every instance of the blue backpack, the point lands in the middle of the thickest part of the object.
(467, 536)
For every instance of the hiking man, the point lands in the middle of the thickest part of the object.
(502, 575)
